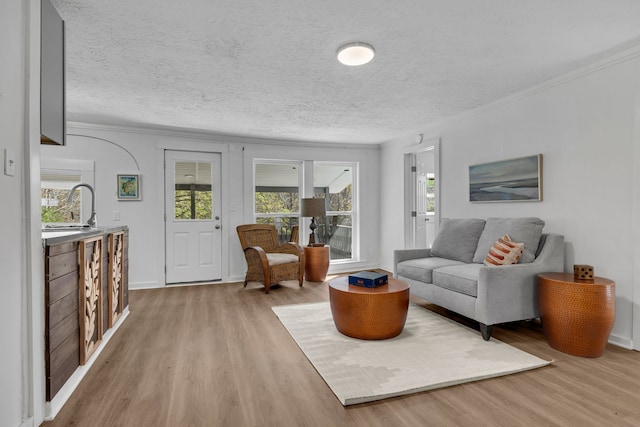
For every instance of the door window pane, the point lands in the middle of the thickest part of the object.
(193, 190)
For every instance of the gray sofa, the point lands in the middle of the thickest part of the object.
(452, 275)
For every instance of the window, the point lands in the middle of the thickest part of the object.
(57, 177)
(335, 182)
(54, 191)
(277, 195)
(431, 194)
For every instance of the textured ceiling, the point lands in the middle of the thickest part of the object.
(268, 68)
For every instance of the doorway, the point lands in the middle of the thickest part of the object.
(193, 251)
(422, 213)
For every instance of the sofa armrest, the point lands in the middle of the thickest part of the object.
(400, 255)
(510, 292)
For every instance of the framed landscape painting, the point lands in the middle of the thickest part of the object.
(128, 187)
(507, 180)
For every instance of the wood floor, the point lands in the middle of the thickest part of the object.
(216, 355)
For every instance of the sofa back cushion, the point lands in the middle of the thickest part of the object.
(458, 239)
(526, 230)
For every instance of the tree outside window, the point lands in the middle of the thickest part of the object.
(277, 195)
(334, 182)
(54, 192)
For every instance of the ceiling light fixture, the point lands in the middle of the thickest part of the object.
(354, 54)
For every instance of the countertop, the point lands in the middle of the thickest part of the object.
(55, 236)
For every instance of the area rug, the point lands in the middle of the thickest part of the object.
(431, 352)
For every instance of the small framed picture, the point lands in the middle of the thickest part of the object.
(129, 187)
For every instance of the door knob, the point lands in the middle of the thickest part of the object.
(217, 227)
(217, 218)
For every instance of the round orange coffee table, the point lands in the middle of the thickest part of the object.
(369, 313)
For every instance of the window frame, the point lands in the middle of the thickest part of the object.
(85, 169)
(355, 220)
(299, 164)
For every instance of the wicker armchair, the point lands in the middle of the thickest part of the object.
(294, 234)
(268, 261)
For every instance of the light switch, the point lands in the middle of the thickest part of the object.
(9, 162)
(116, 215)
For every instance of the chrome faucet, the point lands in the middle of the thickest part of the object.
(92, 219)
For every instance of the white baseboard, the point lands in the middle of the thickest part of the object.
(234, 279)
(52, 408)
(27, 423)
(621, 341)
(348, 267)
(145, 285)
(157, 285)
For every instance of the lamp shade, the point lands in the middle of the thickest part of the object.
(312, 207)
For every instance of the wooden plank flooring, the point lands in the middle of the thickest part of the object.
(216, 355)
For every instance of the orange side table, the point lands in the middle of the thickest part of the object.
(577, 315)
(316, 263)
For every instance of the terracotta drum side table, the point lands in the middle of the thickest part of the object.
(316, 263)
(577, 315)
(369, 313)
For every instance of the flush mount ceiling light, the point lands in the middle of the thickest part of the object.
(354, 54)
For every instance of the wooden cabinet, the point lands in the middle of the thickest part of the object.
(71, 333)
(52, 76)
(61, 315)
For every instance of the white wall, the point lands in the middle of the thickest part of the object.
(21, 374)
(12, 106)
(586, 129)
(145, 217)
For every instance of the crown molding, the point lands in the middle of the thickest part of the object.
(216, 137)
(624, 56)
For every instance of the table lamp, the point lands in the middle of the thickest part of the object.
(312, 208)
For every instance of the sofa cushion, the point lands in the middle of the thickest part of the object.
(421, 269)
(458, 278)
(526, 230)
(458, 239)
(504, 252)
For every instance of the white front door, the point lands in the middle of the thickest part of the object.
(192, 216)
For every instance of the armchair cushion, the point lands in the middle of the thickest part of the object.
(276, 259)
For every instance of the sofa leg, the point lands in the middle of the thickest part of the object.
(486, 331)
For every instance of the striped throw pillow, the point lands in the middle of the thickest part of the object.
(504, 252)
